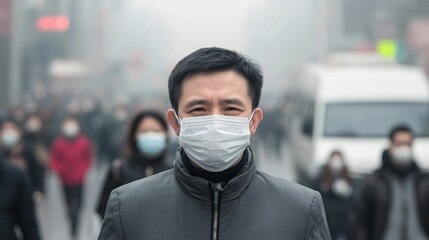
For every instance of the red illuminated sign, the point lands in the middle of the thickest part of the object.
(53, 24)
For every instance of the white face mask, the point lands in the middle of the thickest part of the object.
(402, 155)
(33, 126)
(70, 130)
(10, 137)
(214, 142)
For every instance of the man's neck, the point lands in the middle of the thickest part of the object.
(215, 177)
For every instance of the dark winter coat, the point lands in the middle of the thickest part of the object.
(373, 203)
(176, 205)
(16, 204)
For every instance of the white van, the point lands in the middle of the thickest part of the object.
(352, 108)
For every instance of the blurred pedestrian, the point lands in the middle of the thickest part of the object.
(394, 201)
(71, 158)
(147, 144)
(16, 204)
(35, 140)
(17, 114)
(13, 149)
(336, 188)
(112, 142)
(214, 191)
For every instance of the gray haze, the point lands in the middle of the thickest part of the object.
(279, 35)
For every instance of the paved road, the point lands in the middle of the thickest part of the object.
(53, 219)
(51, 212)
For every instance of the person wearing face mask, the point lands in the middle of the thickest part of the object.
(71, 158)
(34, 140)
(147, 151)
(14, 150)
(214, 190)
(335, 186)
(394, 201)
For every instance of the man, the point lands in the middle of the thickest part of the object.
(394, 201)
(214, 191)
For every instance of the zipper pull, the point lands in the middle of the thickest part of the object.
(217, 187)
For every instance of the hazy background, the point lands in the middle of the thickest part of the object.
(139, 42)
(97, 59)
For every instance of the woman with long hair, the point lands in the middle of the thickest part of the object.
(147, 151)
(336, 188)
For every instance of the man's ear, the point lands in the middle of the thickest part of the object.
(256, 119)
(171, 119)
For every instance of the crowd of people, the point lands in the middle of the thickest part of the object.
(391, 203)
(67, 133)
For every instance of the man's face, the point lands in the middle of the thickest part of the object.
(218, 93)
(401, 139)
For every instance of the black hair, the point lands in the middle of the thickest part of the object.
(9, 120)
(400, 128)
(208, 60)
(71, 117)
(138, 118)
(336, 152)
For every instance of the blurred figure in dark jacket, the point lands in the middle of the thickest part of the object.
(394, 201)
(35, 141)
(112, 142)
(17, 114)
(13, 150)
(147, 144)
(16, 204)
(335, 186)
(71, 158)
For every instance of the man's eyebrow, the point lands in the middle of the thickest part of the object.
(234, 101)
(196, 102)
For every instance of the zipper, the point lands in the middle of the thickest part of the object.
(217, 189)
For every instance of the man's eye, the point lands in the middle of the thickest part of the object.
(198, 110)
(232, 109)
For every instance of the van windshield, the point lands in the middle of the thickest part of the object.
(374, 119)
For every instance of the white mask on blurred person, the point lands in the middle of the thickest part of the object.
(10, 137)
(342, 188)
(402, 155)
(70, 129)
(121, 115)
(33, 126)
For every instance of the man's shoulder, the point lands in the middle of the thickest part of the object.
(287, 189)
(302, 205)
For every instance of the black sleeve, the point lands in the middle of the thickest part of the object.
(109, 184)
(26, 217)
(33, 171)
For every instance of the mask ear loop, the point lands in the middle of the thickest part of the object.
(251, 116)
(177, 118)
